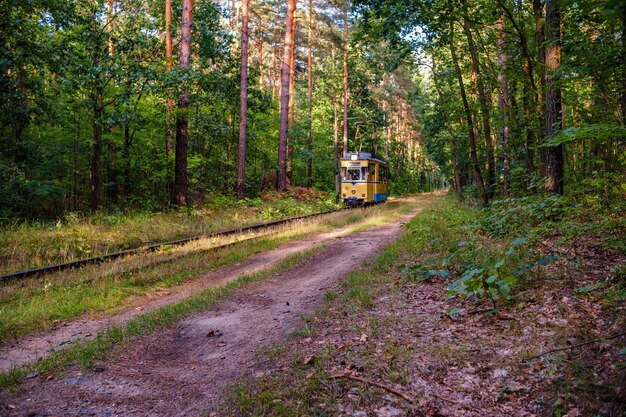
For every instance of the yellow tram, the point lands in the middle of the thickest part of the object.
(363, 179)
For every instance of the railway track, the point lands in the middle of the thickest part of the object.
(151, 248)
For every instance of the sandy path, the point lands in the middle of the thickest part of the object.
(180, 371)
(29, 348)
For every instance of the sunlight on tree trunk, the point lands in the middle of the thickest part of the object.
(553, 155)
(345, 80)
(284, 97)
(243, 102)
(181, 180)
(169, 63)
(503, 104)
(336, 143)
(468, 117)
(309, 133)
(292, 101)
(624, 64)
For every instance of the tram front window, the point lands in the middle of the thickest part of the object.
(352, 174)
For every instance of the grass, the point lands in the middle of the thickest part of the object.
(32, 244)
(429, 237)
(37, 304)
(87, 352)
(108, 291)
(447, 237)
(302, 390)
(309, 390)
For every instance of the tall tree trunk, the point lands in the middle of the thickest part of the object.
(484, 107)
(336, 138)
(531, 93)
(97, 107)
(345, 81)
(503, 102)
(259, 46)
(387, 109)
(468, 117)
(458, 188)
(309, 134)
(541, 58)
(624, 64)
(523, 43)
(110, 26)
(169, 63)
(553, 155)
(243, 102)
(292, 100)
(528, 138)
(96, 152)
(284, 97)
(181, 180)
(375, 140)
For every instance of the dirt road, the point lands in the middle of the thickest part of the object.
(184, 370)
(29, 348)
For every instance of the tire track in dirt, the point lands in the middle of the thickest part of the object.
(180, 371)
(30, 348)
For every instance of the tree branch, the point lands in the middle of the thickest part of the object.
(377, 384)
(578, 345)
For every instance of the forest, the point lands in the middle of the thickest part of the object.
(172, 240)
(94, 95)
(143, 104)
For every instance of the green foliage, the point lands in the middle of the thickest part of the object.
(512, 215)
(598, 132)
(493, 280)
(13, 188)
(473, 265)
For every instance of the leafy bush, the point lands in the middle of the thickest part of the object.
(13, 188)
(452, 239)
(220, 202)
(505, 217)
(495, 280)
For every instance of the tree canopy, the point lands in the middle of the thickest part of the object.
(492, 98)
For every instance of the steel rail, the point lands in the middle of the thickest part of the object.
(111, 256)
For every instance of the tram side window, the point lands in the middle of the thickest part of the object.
(383, 174)
(372, 172)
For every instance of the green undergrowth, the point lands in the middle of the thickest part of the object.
(86, 353)
(484, 259)
(448, 243)
(485, 254)
(564, 216)
(25, 245)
